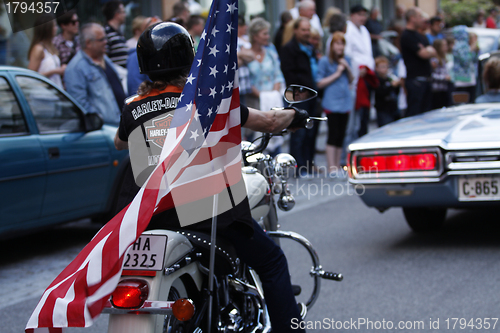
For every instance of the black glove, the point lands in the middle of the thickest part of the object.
(300, 118)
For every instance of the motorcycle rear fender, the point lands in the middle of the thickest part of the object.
(178, 247)
(160, 286)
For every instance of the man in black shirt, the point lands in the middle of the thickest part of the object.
(417, 53)
(374, 27)
(297, 67)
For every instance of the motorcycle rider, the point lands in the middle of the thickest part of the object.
(252, 244)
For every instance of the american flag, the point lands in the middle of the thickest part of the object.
(201, 158)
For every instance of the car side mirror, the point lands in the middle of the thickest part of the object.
(93, 122)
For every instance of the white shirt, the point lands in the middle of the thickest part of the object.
(359, 48)
(132, 43)
(315, 21)
(402, 105)
(49, 62)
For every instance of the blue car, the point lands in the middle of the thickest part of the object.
(57, 162)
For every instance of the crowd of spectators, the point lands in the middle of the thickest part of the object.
(340, 55)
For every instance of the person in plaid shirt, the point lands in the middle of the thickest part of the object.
(67, 42)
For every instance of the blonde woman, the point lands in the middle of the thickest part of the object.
(43, 55)
(138, 26)
(335, 76)
(266, 78)
(265, 72)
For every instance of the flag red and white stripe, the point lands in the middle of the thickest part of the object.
(194, 165)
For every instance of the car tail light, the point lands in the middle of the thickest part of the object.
(130, 294)
(397, 163)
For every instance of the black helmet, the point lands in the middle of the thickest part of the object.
(163, 48)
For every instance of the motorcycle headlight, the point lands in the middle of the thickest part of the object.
(284, 165)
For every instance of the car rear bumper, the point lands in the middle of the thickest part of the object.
(436, 194)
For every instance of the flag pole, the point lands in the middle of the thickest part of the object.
(211, 265)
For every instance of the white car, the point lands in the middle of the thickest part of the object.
(431, 162)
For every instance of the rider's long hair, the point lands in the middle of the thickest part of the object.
(177, 79)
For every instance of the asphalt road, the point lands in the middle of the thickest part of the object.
(392, 276)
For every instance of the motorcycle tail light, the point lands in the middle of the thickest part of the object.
(397, 163)
(183, 309)
(130, 294)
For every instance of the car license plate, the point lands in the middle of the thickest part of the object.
(147, 253)
(480, 188)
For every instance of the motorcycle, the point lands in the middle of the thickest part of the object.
(188, 281)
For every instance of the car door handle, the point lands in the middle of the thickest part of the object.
(54, 153)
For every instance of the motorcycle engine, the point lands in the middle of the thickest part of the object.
(232, 319)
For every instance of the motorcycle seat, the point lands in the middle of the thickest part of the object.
(226, 260)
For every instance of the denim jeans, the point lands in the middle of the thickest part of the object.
(303, 141)
(364, 121)
(385, 117)
(268, 260)
(419, 96)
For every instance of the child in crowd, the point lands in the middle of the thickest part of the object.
(386, 94)
(440, 76)
(334, 76)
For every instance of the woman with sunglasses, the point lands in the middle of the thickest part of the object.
(67, 42)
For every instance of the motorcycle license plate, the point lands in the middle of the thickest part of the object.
(480, 188)
(147, 253)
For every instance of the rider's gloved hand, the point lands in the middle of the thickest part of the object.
(300, 118)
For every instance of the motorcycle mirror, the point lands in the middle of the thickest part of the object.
(296, 94)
